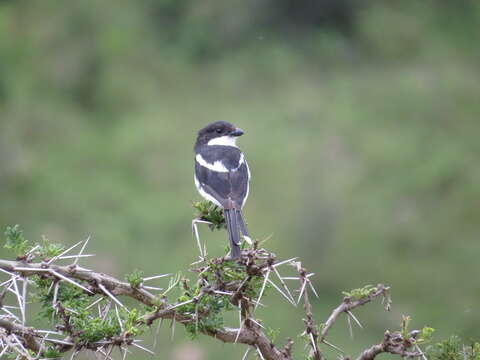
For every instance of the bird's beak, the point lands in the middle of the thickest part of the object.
(237, 132)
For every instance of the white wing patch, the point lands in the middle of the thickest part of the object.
(224, 140)
(216, 166)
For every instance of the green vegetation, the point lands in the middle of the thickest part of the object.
(135, 278)
(454, 349)
(361, 293)
(15, 240)
(362, 139)
(210, 212)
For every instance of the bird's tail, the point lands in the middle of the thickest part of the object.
(233, 229)
(235, 225)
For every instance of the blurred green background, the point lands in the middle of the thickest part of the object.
(362, 134)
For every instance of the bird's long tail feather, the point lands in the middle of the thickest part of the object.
(231, 218)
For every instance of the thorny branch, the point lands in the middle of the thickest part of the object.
(393, 343)
(241, 284)
(349, 303)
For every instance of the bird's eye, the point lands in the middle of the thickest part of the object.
(219, 130)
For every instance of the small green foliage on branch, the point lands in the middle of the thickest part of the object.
(135, 278)
(210, 212)
(426, 335)
(48, 250)
(454, 349)
(360, 293)
(15, 240)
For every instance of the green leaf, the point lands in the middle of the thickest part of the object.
(208, 211)
(135, 278)
(15, 240)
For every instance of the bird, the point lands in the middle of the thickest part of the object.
(222, 176)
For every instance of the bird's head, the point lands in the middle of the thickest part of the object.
(219, 133)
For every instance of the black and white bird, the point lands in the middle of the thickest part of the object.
(222, 176)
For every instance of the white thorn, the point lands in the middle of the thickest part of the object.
(246, 353)
(55, 294)
(63, 253)
(81, 250)
(197, 236)
(180, 304)
(6, 282)
(157, 331)
(223, 292)
(24, 295)
(53, 272)
(118, 318)
(313, 289)
(240, 327)
(332, 346)
(32, 249)
(155, 277)
(75, 256)
(423, 355)
(4, 351)
(350, 326)
(143, 348)
(20, 302)
(8, 272)
(259, 352)
(354, 318)
(314, 345)
(284, 261)
(173, 327)
(282, 293)
(301, 291)
(262, 290)
(11, 314)
(284, 286)
(56, 341)
(152, 288)
(256, 322)
(30, 269)
(94, 303)
(105, 290)
(48, 332)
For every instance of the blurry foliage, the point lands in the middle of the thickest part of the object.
(15, 240)
(208, 211)
(361, 134)
(361, 293)
(454, 349)
(135, 278)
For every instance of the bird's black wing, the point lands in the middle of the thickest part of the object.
(227, 185)
(239, 185)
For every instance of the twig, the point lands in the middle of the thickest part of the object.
(350, 304)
